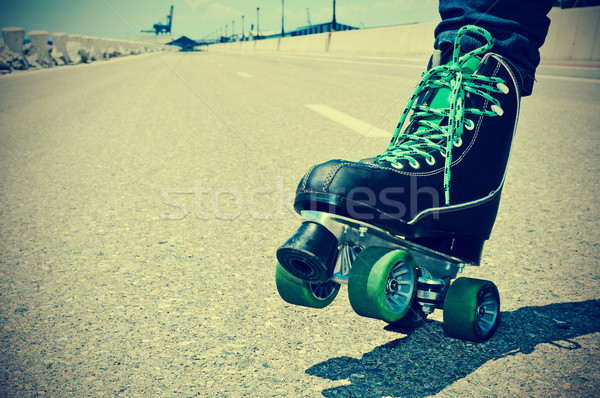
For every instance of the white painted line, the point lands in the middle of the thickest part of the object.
(566, 66)
(244, 74)
(395, 62)
(356, 125)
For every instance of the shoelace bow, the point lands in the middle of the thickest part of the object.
(427, 136)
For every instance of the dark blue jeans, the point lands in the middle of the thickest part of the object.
(519, 28)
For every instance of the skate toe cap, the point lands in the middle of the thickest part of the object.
(340, 176)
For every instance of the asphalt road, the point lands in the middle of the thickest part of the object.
(142, 201)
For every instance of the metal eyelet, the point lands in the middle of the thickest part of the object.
(414, 165)
(499, 111)
(469, 124)
(458, 143)
(503, 87)
(397, 165)
(432, 162)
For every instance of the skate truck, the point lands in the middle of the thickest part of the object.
(388, 277)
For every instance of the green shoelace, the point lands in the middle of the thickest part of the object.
(429, 135)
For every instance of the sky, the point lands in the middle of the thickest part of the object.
(198, 19)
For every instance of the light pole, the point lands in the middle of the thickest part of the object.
(232, 30)
(257, 25)
(282, 31)
(243, 29)
(333, 23)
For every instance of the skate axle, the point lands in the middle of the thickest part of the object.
(431, 292)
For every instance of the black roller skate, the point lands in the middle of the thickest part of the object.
(397, 228)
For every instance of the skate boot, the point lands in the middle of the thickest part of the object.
(414, 215)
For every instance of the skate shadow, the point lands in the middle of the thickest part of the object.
(418, 365)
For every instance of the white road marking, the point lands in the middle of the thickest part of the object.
(395, 62)
(244, 74)
(356, 125)
(568, 78)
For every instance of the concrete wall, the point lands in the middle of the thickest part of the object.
(574, 35)
(416, 39)
(309, 43)
(402, 40)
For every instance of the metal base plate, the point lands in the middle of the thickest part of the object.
(353, 235)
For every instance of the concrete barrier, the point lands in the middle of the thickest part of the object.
(399, 40)
(138, 47)
(114, 48)
(97, 48)
(73, 46)
(402, 40)
(103, 46)
(310, 43)
(117, 47)
(13, 38)
(265, 45)
(574, 35)
(85, 49)
(59, 42)
(247, 45)
(108, 48)
(66, 48)
(118, 44)
(39, 40)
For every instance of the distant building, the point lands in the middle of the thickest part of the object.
(320, 28)
(303, 31)
(185, 43)
(311, 30)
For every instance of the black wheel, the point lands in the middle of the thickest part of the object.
(382, 284)
(300, 292)
(471, 309)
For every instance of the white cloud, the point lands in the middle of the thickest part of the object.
(217, 10)
(193, 4)
(391, 3)
(404, 4)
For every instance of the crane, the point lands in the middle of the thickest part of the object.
(162, 28)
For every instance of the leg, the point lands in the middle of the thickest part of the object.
(519, 28)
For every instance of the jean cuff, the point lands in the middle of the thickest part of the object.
(445, 43)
